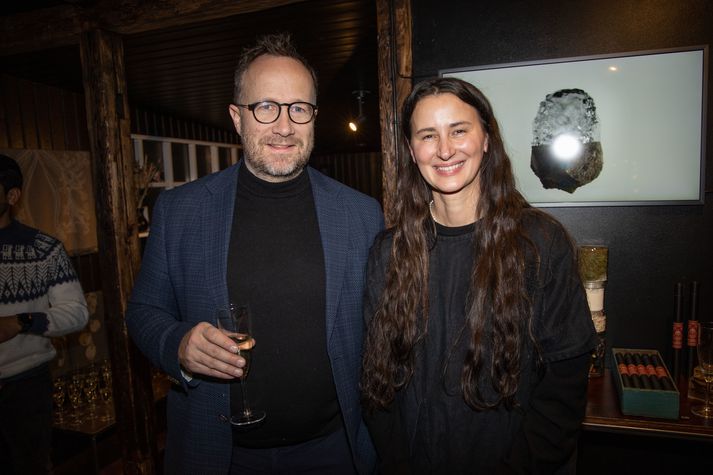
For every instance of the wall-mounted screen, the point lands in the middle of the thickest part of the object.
(624, 129)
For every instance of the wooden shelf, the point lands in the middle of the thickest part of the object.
(604, 414)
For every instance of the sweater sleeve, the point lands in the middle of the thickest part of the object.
(68, 309)
(390, 440)
(562, 322)
(565, 334)
(551, 426)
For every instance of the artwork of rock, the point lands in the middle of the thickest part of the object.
(566, 152)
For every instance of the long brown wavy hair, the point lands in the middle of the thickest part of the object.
(499, 309)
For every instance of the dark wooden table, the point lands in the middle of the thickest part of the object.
(604, 414)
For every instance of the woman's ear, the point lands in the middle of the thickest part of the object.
(410, 150)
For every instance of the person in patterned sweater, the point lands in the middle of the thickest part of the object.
(40, 298)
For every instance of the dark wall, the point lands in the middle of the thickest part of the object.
(650, 247)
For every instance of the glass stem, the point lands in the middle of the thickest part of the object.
(708, 407)
(246, 409)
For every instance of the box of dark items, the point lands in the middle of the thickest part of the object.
(644, 384)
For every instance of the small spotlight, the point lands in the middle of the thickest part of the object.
(354, 124)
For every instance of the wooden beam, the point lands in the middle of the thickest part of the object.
(107, 111)
(63, 25)
(395, 72)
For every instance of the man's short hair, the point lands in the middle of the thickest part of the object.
(279, 44)
(10, 173)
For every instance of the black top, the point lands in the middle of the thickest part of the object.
(431, 429)
(276, 265)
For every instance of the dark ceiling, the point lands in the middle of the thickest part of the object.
(187, 71)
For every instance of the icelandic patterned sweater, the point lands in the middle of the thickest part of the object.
(36, 276)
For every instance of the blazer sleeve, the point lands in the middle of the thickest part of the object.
(563, 325)
(152, 314)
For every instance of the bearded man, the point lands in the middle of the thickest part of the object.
(274, 234)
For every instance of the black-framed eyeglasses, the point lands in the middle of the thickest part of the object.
(267, 112)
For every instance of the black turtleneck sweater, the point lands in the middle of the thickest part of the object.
(276, 266)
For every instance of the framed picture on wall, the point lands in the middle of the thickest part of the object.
(609, 130)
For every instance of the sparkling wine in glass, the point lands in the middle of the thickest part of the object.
(74, 391)
(91, 382)
(58, 397)
(235, 322)
(705, 359)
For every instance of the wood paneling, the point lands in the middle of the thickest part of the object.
(42, 118)
(185, 70)
(55, 112)
(62, 25)
(87, 268)
(13, 129)
(361, 171)
(36, 116)
(28, 114)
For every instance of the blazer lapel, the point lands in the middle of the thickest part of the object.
(333, 230)
(217, 223)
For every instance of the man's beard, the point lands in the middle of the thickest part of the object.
(4, 208)
(261, 162)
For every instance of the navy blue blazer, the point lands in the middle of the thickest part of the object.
(183, 280)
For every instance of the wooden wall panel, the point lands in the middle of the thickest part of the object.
(12, 110)
(82, 130)
(28, 114)
(44, 129)
(87, 268)
(37, 116)
(361, 171)
(72, 116)
(4, 138)
(55, 112)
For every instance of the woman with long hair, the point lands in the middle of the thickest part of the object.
(479, 334)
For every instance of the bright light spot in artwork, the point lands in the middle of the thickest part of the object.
(565, 147)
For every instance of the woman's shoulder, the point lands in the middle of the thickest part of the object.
(543, 228)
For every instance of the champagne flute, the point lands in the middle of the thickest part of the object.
(58, 397)
(705, 359)
(74, 391)
(106, 386)
(91, 381)
(235, 322)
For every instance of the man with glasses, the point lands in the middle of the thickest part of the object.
(275, 234)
